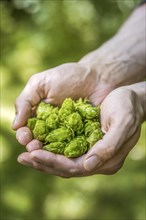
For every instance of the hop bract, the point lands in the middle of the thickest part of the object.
(71, 129)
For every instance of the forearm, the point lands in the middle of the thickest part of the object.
(122, 60)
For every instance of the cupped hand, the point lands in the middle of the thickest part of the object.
(53, 86)
(121, 118)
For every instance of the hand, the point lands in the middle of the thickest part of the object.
(69, 80)
(121, 118)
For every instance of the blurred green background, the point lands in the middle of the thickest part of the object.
(37, 35)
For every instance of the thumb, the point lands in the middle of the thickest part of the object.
(25, 102)
(104, 149)
(23, 112)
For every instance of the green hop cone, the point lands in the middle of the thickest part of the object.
(55, 110)
(86, 110)
(66, 109)
(40, 131)
(44, 110)
(90, 126)
(55, 147)
(71, 129)
(77, 147)
(31, 123)
(74, 120)
(94, 137)
(52, 122)
(60, 134)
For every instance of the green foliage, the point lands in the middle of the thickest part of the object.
(37, 35)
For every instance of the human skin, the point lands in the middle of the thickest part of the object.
(122, 113)
(118, 62)
(94, 77)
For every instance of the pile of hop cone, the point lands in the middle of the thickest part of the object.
(71, 129)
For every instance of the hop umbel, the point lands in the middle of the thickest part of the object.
(71, 129)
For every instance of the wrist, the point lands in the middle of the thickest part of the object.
(114, 65)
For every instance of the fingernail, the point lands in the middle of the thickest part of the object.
(91, 163)
(15, 122)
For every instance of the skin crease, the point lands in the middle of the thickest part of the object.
(96, 76)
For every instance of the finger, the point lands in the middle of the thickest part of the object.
(24, 135)
(114, 164)
(59, 163)
(23, 112)
(34, 145)
(25, 159)
(106, 148)
(30, 96)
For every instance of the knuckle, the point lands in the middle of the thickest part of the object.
(109, 152)
(130, 118)
(37, 166)
(33, 77)
(32, 81)
(17, 101)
